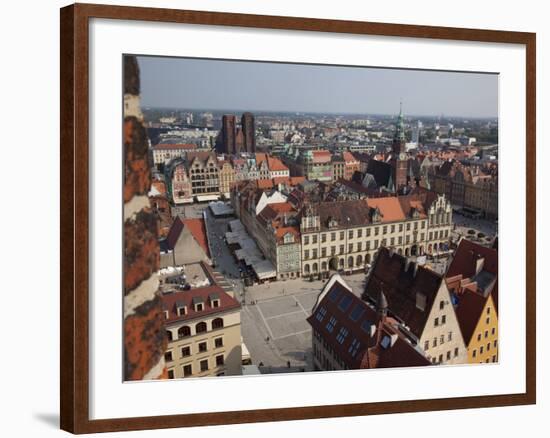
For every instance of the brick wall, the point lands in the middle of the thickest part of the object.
(144, 334)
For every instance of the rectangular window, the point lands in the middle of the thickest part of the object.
(449, 355)
(441, 304)
(323, 238)
(392, 241)
(426, 345)
(350, 247)
(202, 347)
(350, 234)
(218, 342)
(314, 253)
(400, 240)
(359, 246)
(393, 229)
(434, 344)
(342, 235)
(474, 353)
(306, 240)
(187, 370)
(400, 227)
(168, 356)
(450, 336)
(204, 365)
(376, 230)
(170, 374)
(341, 337)
(342, 249)
(186, 351)
(219, 360)
(443, 319)
(314, 238)
(360, 232)
(306, 254)
(436, 322)
(332, 237)
(385, 229)
(456, 351)
(442, 339)
(331, 323)
(408, 226)
(368, 232)
(320, 314)
(323, 252)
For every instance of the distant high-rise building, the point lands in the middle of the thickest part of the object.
(228, 134)
(249, 131)
(416, 132)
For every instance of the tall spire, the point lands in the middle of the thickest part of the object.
(400, 125)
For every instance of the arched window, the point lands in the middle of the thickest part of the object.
(200, 327)
(315, 267)
(341, 263)
(350, 261)
(169, 335)
(306, 269)
(184, 331)
(406, 252)
(217, 323)
(359, 261)
(367, 258)
(324, 266)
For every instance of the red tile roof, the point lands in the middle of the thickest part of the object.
(196, 227)
(321, 156)
(275, 164)
(465, 260)
(400, 283)
(468, 311)
(172, 301)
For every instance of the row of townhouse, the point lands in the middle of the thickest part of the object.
(206, 176)
(342, 235)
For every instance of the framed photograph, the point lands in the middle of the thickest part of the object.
(275, 218)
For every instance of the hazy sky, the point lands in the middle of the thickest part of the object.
(259, 86)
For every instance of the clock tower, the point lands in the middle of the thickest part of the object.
(399, 156)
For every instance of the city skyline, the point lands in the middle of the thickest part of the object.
(205, 84)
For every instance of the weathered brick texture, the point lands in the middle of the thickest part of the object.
(144, 333)
(141, 249)
(137, 175)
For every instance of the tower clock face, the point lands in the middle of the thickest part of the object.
(402, 156)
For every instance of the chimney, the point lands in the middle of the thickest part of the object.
(480, 261)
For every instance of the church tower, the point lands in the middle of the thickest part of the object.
(399, 155)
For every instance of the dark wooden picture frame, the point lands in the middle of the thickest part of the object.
(74, 273)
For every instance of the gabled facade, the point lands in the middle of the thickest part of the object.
(419, 299)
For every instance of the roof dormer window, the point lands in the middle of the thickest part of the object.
(214, 300)
(198, 304)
